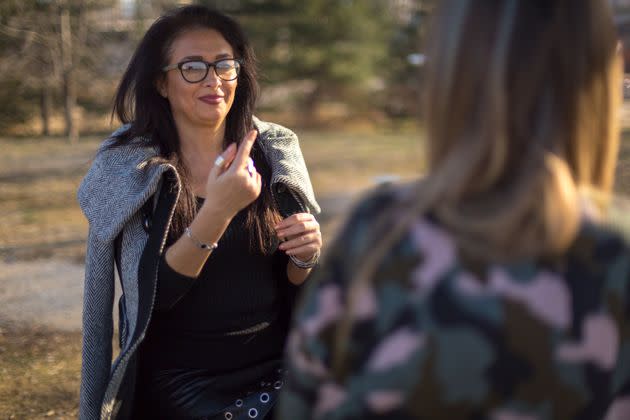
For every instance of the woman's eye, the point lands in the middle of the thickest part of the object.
(194, 67)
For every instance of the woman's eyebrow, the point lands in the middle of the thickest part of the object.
(198, 57)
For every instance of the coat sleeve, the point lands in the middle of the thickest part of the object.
(98, 299)
(172, 286)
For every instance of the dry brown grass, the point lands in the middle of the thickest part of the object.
(39, 179)
(622, 181)
(38, 182)
(39, 369)
(340, 163)
(39, 374)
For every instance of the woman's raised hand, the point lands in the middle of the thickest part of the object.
(233, 182)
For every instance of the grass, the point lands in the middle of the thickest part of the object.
(39, 374)
(39, 179)
(38, 182)
(350, 162)
(39, 369)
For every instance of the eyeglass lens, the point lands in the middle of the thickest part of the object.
(196, 71)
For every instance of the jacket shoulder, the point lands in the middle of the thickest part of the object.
(118, 182)
(269, 130)
(113, 149)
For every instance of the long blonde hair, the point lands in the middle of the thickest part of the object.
(522, 103)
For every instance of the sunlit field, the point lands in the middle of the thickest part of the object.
(39, 369)
(39, 178)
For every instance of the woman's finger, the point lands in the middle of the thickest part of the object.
(258, 180)
(299, 228)
(305, 251)
(257, 183)
(244, 149)
(294, 218)
(223, 161)
(301, 241)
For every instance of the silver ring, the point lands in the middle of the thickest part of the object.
(219, 161)
(250, 167)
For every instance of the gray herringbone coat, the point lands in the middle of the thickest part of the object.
(112, 194)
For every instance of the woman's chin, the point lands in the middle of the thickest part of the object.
(210, 119)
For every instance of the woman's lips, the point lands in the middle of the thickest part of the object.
(211, 99)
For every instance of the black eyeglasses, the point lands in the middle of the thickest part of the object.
(194, 71)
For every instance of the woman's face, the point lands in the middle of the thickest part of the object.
(205, 103)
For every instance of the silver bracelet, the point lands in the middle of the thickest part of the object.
(305, 264)
(198, 243)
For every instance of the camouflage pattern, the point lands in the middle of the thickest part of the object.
(436, 338)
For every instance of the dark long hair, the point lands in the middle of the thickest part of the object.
(138, 103)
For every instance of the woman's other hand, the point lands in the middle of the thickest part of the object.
(232, 185)
(301, 235)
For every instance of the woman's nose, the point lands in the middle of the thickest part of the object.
(211, 79)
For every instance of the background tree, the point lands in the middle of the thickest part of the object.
(24, 52)
(316, 55)
(44, 45)
(407, 59)
(339, 48)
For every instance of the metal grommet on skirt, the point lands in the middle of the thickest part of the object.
(239, 403)
(277, 385)
(264, 398)
(228, 415)
(252, 413)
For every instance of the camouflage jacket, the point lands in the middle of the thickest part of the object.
(432, 339)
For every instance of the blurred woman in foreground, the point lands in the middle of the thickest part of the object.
(498, 286)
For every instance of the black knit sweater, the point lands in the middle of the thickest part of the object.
(204, 322)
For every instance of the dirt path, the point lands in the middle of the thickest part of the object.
(41, 293)
(49, 292)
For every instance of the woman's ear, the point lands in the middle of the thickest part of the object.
(160, 85)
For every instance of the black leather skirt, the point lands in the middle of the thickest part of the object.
(196, 394)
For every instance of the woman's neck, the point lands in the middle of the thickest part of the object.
(199, 147)
(196, 142)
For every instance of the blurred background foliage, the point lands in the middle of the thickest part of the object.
(321, 61)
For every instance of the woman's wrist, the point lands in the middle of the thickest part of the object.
(212, 213)
(305, 264)
(210, 223)
(297, 275)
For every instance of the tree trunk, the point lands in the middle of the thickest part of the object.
(69, 92)
(45, 108)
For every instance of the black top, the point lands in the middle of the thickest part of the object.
(206, 322)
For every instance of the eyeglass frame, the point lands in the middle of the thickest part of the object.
(208, 64)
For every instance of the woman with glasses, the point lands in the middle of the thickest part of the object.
(498, 287)
(205, 212)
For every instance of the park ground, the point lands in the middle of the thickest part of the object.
(42, 234)
(42, 247)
